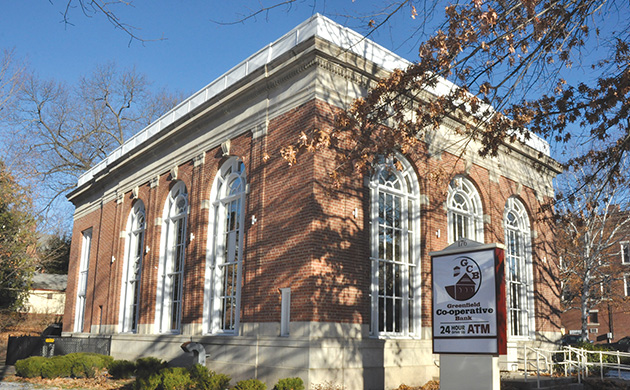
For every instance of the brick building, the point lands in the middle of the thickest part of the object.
(609, 320)
(195, 229)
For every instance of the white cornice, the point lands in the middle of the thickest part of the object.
(318, 26)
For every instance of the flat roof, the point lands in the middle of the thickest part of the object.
(317, 25)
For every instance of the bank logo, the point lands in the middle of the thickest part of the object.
(468, 276)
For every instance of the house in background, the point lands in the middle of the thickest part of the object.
(196, 230)
(47, 295)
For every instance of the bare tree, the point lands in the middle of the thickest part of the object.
(104, 8)
(63, 130)
(593, 222)
(11, 76)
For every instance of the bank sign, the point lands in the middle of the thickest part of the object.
(469, 299)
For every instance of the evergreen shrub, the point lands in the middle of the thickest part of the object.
(174, 378)
(56, 367)
(30, 367)
(250, 384)
(289, 384)
(148, 366)
(122, 369)
(204, 379)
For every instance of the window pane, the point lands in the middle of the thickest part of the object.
(398, 315)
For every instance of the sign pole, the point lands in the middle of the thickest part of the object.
(469, 319)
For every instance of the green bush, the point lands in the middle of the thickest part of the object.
(86, 364)
(147, 382)
(175, 378)
(30, 367)
(289, 384)
(250, 384)
(218, 382)
(204, 379)
(148, 366)
(79, 365)
(56, 367)
(122, 369)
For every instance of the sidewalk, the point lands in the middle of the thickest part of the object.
(23, 386)
(10, 370)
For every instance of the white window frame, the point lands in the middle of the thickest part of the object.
(519, 270)
(394, 178)
(624, 252)
(463, 205)
(169, 296)
(589, 317)
(84, 267)
(132, 269)
(626, 284)
(224, 253)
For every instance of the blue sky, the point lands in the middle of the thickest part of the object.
(195, 50)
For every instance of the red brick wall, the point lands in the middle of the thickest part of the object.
(612, 316)
(305, 236)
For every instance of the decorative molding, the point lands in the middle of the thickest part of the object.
(155, 181)
(120, 197)
(199, 159)
(519, 189)
(174, 172)
(487, 219)
(286, 76)
(205, 204)
(469, 165)
(424, 200)
(261, 129)
(158, 221)
(134, 192)
(225, 147)
(493, 175)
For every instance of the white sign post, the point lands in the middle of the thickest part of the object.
(469, 314)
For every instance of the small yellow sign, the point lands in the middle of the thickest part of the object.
(50, 340)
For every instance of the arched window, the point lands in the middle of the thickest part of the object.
(395, 248)
(465, 213)
(172, 253)
(225, 249)
(84, 267)
(132, 266)
(518, 268)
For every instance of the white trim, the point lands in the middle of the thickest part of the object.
(624, 252)
(214, 285)
(521, 230)
(135, 229)
(82, 283)
(168, 240)
(399, 186)
(463, 203)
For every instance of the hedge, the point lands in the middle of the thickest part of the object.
(77, 365)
